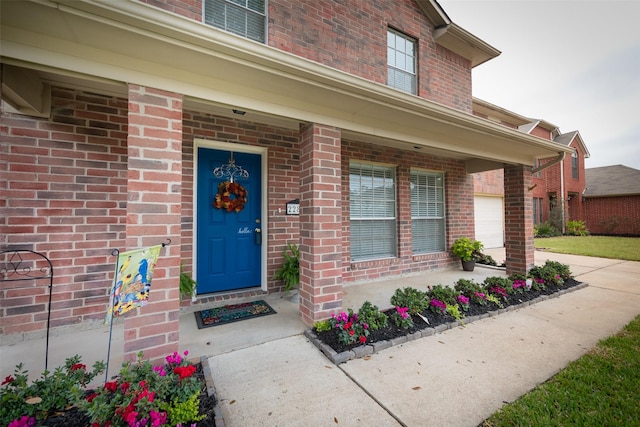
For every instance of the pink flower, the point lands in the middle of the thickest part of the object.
(160, 370)
(463, 300)
(402, 311)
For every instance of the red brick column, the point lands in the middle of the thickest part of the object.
(320, 222)
(518, 207)
(153, 214)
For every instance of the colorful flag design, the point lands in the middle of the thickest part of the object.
(133, 280)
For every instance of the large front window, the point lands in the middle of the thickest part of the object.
(245, 18)
(401, 60)
(427, 212)
(372, 191)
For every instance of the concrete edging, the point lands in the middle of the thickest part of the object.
(364, 350)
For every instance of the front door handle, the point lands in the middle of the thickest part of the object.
(257, 233)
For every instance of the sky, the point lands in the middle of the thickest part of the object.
(573, 63)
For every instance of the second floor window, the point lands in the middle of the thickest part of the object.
(401, 61)
(574, 165)
(245, 18)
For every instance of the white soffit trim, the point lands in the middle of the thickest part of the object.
(131, 42)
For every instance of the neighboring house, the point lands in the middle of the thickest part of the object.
(612, 200)
(557, 183)
(116, 114)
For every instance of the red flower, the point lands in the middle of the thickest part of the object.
(111, 386)
(184, 371)
(124, 387)
(352, 332)
(363, 339)
(78, 366)
(8, 380)
(91, 397)
(348, 325)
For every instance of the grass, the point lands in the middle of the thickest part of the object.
(626, 248)
(599, 389)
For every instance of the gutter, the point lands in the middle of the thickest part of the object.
(558, 159)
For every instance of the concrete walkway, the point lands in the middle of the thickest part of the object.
(456, 378)
(266, 373)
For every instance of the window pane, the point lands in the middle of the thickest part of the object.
(427, 212)
(401, 61)
(373, 211)
(245, 18)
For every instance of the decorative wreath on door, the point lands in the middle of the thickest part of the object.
(231, 196)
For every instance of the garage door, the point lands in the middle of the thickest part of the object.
(489, 218)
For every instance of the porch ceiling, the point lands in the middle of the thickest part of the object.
(101, 44)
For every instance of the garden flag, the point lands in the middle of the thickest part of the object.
(133, 280)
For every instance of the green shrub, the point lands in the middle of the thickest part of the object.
(372, 316)
(502, 282)
(576, 228)
(545, 230)
(443, 293)
(52, 392)
(486, 259)
(414, 299)
(322, 326)
(467, 287)
(551, 273)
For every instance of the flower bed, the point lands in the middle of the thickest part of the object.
(174, 394)
(417, 313)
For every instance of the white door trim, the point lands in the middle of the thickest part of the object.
(237, 148)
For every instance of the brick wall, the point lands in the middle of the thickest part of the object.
(518, 219)
(320, 222)
(352, 37)
(489, 182)
(66, 183)
(613, 215)
(154, 147)
(459, 210)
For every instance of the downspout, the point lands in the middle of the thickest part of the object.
(562, 195)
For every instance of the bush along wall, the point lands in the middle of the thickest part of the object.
(418, 313)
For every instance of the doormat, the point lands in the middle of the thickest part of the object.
(232, 313)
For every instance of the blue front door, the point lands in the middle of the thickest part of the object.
(228, 243)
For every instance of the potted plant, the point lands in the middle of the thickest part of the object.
(467, 250)
(289, 272)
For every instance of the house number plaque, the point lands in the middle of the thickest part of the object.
(293, 207)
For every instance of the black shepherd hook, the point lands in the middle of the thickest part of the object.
(167, 244)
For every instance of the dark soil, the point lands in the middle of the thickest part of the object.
(75, 418)
(392, 331)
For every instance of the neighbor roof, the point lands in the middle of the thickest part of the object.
(610, 181)
(569, 137)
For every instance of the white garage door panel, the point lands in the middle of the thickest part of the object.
(489, 218)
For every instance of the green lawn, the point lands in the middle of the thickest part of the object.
(599, 389)
(627, 248)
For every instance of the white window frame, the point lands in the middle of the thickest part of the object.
(401, 62)
(428, 205)
(242, 6)
(373, 218)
